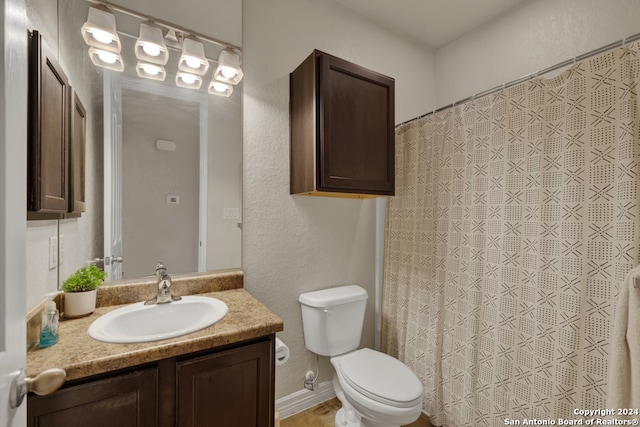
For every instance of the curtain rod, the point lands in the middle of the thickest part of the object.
(523, 79)
(175, 27)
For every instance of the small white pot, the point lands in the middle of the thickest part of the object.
(78, 304)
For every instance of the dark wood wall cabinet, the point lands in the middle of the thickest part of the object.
(233, 386)
(56, 138)
(78, 147)
(342, 129)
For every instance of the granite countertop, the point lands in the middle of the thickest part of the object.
(82, 356)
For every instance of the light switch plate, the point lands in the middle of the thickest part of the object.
(53, 252)
(230, 213)
(61, 249)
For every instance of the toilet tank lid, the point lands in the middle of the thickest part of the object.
(333, 296)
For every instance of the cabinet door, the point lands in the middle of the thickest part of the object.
(357, 131)
(231, 388)
(127, 400)
(49, 104)
(77, 148)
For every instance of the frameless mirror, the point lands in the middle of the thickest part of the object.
(169, 158)
(172, 169)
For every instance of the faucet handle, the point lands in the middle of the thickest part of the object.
(160, 266)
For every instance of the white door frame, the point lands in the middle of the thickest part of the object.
(115, 83)
(13, 203)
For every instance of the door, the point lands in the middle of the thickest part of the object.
(113, 259)
(13, 203)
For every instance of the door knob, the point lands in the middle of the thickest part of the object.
(46, 382)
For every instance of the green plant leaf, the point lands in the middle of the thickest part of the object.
(85, 279)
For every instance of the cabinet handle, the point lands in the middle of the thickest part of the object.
(46, 382)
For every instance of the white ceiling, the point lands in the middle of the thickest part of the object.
(434, 23)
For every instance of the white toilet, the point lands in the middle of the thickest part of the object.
(375, 389)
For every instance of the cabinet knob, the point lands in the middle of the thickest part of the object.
(46, 382)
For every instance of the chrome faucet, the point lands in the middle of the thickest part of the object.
(164, 287)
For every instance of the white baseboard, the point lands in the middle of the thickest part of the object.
(305, 399)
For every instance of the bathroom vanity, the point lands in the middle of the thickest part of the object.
(219, 376)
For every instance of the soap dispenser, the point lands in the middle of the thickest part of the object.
(50, 324)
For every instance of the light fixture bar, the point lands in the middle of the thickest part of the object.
(169, 46)
(167, 24)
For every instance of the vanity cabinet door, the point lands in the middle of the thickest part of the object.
(230, 388)
(48, 132)
(127, 400)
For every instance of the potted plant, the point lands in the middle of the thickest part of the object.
(80, 291)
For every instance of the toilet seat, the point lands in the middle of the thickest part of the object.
(381, 377)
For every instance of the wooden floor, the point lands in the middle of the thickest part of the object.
(323, 415)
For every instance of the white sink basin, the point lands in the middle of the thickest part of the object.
(142, 323)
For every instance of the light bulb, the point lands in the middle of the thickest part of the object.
(102, 36)
(150, 69)
(192, 62)
(219, 87)
(188, 78)
(107, 57)
(228, 72)
(151, 49)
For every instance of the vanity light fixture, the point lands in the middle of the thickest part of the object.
(151, 71)
(219, 88)
(150, 45)
(105, 59)
(192, 59)
(188, 80)
(100, 30)
(151, 49)
(228, 70)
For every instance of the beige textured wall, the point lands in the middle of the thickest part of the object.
(531, 37)
(294, 244)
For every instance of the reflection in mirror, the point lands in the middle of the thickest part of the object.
(161, 187)
(217, 225)
(163, 208)
(160, 164)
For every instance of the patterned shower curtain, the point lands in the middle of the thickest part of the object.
(515, 221)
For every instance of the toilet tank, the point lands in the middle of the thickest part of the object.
(332, 319)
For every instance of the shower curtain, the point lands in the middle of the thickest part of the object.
(515, 220)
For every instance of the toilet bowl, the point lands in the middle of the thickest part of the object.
(375, 389)
(380, 389)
